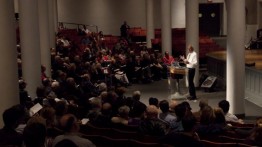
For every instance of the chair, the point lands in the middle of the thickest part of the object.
(230, 139)
(121, 134)
(207, 143)
(135, 143)
(89, 129)
(103, 141)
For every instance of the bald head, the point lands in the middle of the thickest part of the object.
(190, 48)
(152, 111)
(69, 123)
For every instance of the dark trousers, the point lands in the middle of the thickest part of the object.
(191, 85)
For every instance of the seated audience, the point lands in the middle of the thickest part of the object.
(255, 139)
(71, 127)
(152, 125)
(103, 119)
(224, 105)
(8, 134)
(186, 138)
(207, 127)
(34, 135)
(165, 114)
(202, 104)
(122, 117)
(153, 101)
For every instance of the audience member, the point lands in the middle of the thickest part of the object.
(8, 134)
(202, 104)
(122, 117)
(207, 127)
(153, 101)
(70, 125)
(165, 114)
(35, 135)
(224, 105)
(187, 138)
(151, 125)
(124, 30)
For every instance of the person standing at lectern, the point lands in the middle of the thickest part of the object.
(191, 63)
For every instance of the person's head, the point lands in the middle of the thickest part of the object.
(202, 103)
(190, 48)
(151, 111)
(61, 108)
(136, 95)
(166, 53)
(153, 101)
(139, 110)
(69, 123)
(187, 105)
(34, 135)
(224, 105)
(123, 111)
(164, 106)
(121, 91)
(172, 105)
(13, 115)
(95, 103)
(49, 114)
(180, 111)
(22, 84)
(40, 91)
(258, 122)
(106, 109)
(102, 87)
(220, 116)
(207, 116)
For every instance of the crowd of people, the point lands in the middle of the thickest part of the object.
(91, 83)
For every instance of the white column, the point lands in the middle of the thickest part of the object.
(224, 29)
(52, 27)
(192, 31)
(178, 13)
(30, 44)
(55, 15)
(236, 55)
(8, 63)
(150, 30)
(44, 36)
(166, 36)
(259, 14)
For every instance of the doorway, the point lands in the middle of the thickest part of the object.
(210, 18)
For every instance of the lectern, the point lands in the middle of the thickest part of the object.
(177, 73)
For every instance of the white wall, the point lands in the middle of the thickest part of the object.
(108, 15)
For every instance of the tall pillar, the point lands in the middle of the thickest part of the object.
(30, 44)
(166, 36)
(8, 62)
(44, 36)
(55, 15)
(52, 27)
(236, 55)
(192, 31)
(150, 30)
(178, 11)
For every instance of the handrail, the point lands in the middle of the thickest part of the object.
(77, 24)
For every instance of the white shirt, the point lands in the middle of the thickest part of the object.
(192, 59)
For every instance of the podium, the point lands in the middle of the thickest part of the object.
(177, 73)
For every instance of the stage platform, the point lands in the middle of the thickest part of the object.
(216, 65)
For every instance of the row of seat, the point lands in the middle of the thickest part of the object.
(131, 133)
